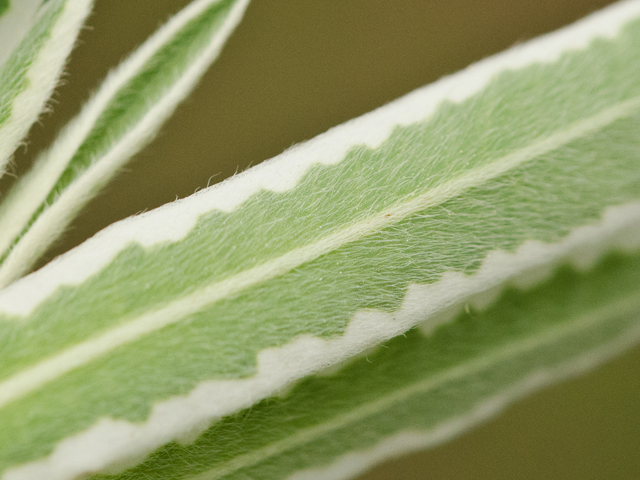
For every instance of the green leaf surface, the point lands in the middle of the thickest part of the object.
(121, 118)
(166, 322)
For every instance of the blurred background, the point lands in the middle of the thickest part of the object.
(295, 68)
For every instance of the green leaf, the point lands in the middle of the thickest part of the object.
(167, 322)
(422, 388)
(36, 38)
(121, 118)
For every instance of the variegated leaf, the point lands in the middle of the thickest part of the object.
(165, 323)
(36, 37)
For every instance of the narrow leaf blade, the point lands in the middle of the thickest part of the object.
(124, 115)
(32, 61)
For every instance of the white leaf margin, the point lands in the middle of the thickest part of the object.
(174, 221)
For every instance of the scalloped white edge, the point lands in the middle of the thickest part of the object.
(357, 462)
(111, 445)
(173, 221)
(42, 76)
(21, 203)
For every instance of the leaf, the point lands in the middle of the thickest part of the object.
(121, 118)
(421, 388)
(36, 37)
(167, 322)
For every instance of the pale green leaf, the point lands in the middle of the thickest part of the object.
(36, 36)
(121, 118)
(164, 323)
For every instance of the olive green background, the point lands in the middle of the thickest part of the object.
(294, 69)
